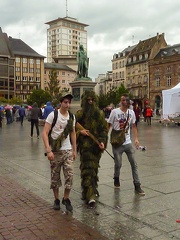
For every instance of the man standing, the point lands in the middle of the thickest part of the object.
(93, 121)
(117, 119)
(63, 131)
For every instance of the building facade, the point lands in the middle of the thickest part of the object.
(29, 69)
(21, 68)
(164, 73)
(104, 83)
(7, 73)
(64, 36)
(137, 67)
(119, 62)
(65, 75)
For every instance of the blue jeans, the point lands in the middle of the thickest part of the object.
(129, 150)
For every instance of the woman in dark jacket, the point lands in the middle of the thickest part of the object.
(35, 115)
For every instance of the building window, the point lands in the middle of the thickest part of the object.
(24, 87)
(17, 60)
(168, 69)
(24, 69)
(37, 61)
(37, 70)
(17, 78)
(38, 79)
(168, 80)
(24, 60)
(24, 78)
(31, 79)
(31, 61)
(31, 70)
(17, 69)
(157, 82)
(63, 73)
(63, 81)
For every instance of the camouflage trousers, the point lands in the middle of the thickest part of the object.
(62, 160)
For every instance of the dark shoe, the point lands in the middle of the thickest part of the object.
(56, 204)
(67, 203)
(92, 204)
(139, 190)
(116, 182)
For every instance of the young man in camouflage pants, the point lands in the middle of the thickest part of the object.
(65, 155)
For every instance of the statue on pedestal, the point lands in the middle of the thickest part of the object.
(83, 63)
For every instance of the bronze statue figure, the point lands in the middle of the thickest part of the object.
(83, 62)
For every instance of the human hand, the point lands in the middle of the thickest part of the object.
(50, 156)
(84, 132)
(101, 145)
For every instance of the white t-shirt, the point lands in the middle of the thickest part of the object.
(118, 115)
(59, 128)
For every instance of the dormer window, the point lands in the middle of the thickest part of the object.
(129, 60)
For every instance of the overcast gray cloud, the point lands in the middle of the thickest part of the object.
(113, 25)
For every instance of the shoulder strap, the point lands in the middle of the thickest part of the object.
(126, 120)
(71, 115)
(54, 120)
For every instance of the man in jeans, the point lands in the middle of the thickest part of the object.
(65, 155)
(117, 120)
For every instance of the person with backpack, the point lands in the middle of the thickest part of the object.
(62, 151)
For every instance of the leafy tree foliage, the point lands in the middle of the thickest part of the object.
(53, 87)
(112, 97)
(40, 97)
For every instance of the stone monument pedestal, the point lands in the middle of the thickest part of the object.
(79, 86)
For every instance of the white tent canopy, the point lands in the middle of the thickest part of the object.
(171, 102)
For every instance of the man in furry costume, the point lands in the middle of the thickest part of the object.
(93, 120)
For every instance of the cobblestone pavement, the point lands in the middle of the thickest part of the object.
(26, 200)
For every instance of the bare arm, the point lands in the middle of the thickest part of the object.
(109, 126)
(135, 133)
(73, 141)
(45, 133)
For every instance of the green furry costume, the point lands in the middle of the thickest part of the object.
(92, 119)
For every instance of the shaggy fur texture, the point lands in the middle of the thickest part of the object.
(92, 119)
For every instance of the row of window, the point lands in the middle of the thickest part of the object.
(117, 65)
(25, 78)
(25, 69)
(118, 75)
(138, 58)
(25, 60)
(26, 87)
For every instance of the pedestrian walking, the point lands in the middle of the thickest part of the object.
(137, 112)
(47, 110)
(120, 117)
(149, 114)
(35, 115)
(93, 120)
(64, 135)
(22, 114)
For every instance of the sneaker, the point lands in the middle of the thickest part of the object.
(92, 203)
(116, 182)
(67, 203)
(56, 204)
(139, 190)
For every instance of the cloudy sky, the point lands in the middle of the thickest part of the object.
(113, 25)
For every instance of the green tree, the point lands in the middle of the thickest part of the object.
(112, 97)
(53, 87)
(40, 97)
